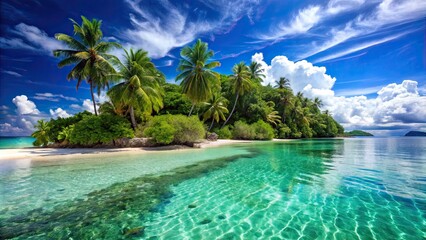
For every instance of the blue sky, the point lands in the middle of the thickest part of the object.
(364, 58)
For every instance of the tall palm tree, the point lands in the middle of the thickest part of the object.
(241, 83)
(89, 55)
(256, 72)
(197, 76)
(41, 133)
(318, 102)
(286, 100)
(141, 86)
(282, 83)
(216, 109)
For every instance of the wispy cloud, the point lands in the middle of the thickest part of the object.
(363, 46)
(357, 91)
(30, 38)
(15, 74)
(308, 18)
(53, 97)
(170, 25)
(388, 13)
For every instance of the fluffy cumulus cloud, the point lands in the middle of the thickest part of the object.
(397, 105)
(59, 112)
(24, 106)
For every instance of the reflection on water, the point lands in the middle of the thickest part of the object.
(367, 188)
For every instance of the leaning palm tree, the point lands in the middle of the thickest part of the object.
(141, 86)
(216, 109)
(256, 72)
(41, 133)
(197, 76)
(282, 83)
(318, 102)
(241, 83)
(89, 55)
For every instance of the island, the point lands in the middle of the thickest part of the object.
(358, 133)
(415, 134)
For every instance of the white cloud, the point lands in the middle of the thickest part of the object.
(25, 106)
(396, 105)
(86, 106)
(7, 129)
(387, 13)
(303, 75)
(53, 97)
(160, 29)
(59, 112)
(308, 18)
(32, 38)
(12, 73)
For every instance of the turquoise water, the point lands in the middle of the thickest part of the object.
(369, 188)
(16, 142)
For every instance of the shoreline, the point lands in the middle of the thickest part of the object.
(58, 153)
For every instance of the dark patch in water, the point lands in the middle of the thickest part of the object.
(206, 221)
(107, 213)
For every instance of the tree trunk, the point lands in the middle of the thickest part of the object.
(93, 97)
(132, 117)
(233, 108)
(192, 108)
(211, 125)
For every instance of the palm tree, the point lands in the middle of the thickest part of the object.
(282, 83)
(273, 118)
(318, 102)
(41, 133)
(88, 53)
(141, 87)
(216, 109)
(196, 74)
(286, 100)
(256, 72)
(241, 83)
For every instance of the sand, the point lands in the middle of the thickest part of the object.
(55, 153)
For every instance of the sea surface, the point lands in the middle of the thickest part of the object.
(357, 188)
(16, 142)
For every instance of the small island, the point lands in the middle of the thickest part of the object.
(358, 133)
(415, 134)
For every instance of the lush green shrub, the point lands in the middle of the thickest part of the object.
(283, 131)
(57, 125)
(224, 133)
(161, 131)
(186, 129)
(263, 131)
(100, 129)
(243, 131)
(256, 131)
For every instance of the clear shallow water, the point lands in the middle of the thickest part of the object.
(16, 142)
(369, 188)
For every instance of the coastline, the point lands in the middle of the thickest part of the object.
(58, 153)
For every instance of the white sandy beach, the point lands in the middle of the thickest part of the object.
(55, 153)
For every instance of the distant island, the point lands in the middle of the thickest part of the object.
(415, 134)
(358, 133)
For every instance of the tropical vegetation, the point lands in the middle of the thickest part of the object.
(141, 102)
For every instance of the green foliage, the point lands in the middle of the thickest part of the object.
(89, 55)
(196, 74)
(358, 133)
(100, 129)
(224, 133)
(263, 130)
(58, 125)
(161, 132)
(256, 131)
(65, 134)
(41, 133)
(174, 101)
(185, 130)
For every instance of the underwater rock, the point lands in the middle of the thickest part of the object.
(221, 217)
(206, 221)
(134, 231)
(192, 206)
